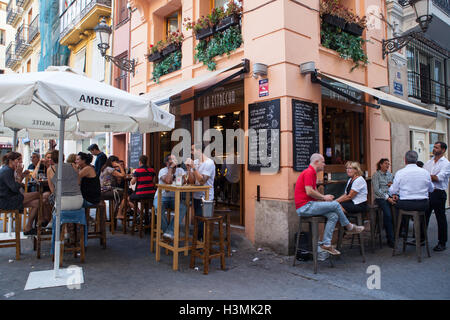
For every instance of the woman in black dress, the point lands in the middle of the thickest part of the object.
(12, 196)
(89, 181)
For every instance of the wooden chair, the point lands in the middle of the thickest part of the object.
(419, 222)
(207, 252)
(376, 225)
(77, 246)
(358, 217)
(313, 224)
(14, 215)
(100, 222)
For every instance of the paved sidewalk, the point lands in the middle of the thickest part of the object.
(127, 270)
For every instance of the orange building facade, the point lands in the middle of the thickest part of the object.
(280, 34)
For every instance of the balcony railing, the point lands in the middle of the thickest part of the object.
(444, 5)
(428, 90)
(34, 29)
(77, 10)
(21, 3)
(10, 56)
(12, 14)
(22, 44)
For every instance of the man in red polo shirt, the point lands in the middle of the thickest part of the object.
(310, 202)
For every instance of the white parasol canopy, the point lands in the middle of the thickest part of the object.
(59, 98)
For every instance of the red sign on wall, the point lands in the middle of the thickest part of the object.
(263, 87)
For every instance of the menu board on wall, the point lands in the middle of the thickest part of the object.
(305, 132)
(264, 115)
(135, 150)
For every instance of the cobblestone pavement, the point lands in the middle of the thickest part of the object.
(127, 270)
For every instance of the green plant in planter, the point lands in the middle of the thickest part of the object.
(347, 45)
(168, 65)
(222, 42)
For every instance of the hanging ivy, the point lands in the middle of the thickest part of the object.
(170, 64)
(220, 43)
(347, 45)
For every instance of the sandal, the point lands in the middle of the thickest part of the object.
(331, 250)
(355, 230)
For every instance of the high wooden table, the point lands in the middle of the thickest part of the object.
(175, 248)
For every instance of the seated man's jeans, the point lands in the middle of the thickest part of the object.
(331, 210)
(169, 202)
(387, 218)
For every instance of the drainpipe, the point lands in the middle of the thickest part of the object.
(109, 134)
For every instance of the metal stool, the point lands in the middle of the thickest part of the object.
(313, 223)
(419, 221)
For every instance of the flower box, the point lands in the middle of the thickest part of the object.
(354, 29)
(156, 56)
(170, 49)
(334, 20)
(204, 33)
(227, 22)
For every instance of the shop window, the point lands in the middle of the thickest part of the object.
(122, 11)
(343, 136)
(173, 23)
(2, 37)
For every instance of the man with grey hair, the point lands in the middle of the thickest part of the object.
(411, 187)
(310, 202)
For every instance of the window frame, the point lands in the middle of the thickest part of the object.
(168, 18)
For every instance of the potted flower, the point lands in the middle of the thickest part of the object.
(232, 16)
(154, 54)
(203, 27)
(333, 13)
(356, 25)
(174, 41)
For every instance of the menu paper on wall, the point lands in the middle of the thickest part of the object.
(305, 132)
(264, 115)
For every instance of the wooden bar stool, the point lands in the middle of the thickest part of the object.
(227, 220)
(146, 206)
(77, 246)
(207, 252)
(153, 228)
(358, 217)
(100, 222)
(313, 223)
(15, 216)
(376, 225)
(419, 221)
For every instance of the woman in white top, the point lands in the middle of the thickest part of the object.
(355, 197)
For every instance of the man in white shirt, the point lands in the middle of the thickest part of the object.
(411, 187)
(167, 175)
(439, 169)
(202, 171)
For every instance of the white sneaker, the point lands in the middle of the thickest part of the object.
(168, 235)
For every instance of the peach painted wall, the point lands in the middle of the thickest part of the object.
(281, 34)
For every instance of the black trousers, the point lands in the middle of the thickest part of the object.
(411, 205)
(437, 203)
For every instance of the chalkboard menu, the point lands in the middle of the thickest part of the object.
(261, 152)
(305, 135)
(135, 150)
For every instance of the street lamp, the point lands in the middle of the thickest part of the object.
(423, 18)
(103, 32)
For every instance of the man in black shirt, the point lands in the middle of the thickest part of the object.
(35, 157)
(100, 157)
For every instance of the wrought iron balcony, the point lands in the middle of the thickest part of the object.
(22, 44)
(33, 29)
(12, 13)
(21, 3)
(11, 58)
(428, 90)
(76, 11)
(444, 5)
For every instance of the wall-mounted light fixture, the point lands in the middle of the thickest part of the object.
(308, 67)
(103, 32)
(423, 18)
(259, 69)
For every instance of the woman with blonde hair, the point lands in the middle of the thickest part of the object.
(355, 197)
(71, 159)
